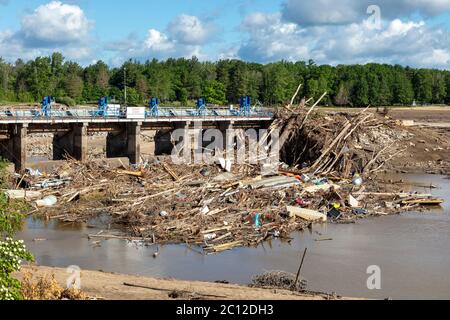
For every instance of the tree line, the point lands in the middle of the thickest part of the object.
(181, 81)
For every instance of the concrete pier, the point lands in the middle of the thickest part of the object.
(19, 146)
(14, 149)
(126, 143)
(71, 144)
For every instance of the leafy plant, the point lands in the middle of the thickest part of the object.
(12, 252)
(11, 255)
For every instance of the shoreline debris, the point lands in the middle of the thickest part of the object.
(328, 174)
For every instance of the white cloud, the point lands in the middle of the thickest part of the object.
(324, 12)
(190, 30)
(157, 41)
(50, 27)
(185, 36)
(409, 43)
(270, 39)
(55, 23)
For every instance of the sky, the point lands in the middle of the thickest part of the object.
(407, 32)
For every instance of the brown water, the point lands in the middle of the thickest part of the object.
(412, 250)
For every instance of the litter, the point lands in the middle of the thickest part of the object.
(275, 182)
(353, 202)
(225, 164)
(324, 187)
(257, 221)
(320, 155)
(357, 180)
(210, 236)
(163, 214)
(360, 211)
(23, 195)
(48, 201)
(302, 203)
(334, 214)
(51, 183)
(306, 214)
(34, 173)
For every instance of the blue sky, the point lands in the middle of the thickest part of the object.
(415, 33)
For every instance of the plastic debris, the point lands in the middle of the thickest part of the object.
(353, 202)
(258, 221)
(305, 214)
(34, 173)
(163, 214)
(205, 210)
(360, 211)
(48, 201)
(334, 213)
(210, 236)
(357, 180)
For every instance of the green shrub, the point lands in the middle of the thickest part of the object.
(12, 252)
(11, 255)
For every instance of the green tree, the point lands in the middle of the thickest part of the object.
(403, 90)
(423, 86)
(74, 86)
(361, 88)
(214, 92)
(439, 88)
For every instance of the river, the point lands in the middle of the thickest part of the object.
(412, 251)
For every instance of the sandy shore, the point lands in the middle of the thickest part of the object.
(110, 286)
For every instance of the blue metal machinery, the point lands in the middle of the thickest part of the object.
(246, 105)
(154, 106)
(106, 110)
(46, 106)
(201, 106)
(102, 107)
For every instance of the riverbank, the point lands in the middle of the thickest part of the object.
(112, 286)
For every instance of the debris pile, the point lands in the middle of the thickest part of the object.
(163, 203)
(339, 143)
(279, 280)
(328, 174)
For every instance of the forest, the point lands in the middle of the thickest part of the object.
(181, 81)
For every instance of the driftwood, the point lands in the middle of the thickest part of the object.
(311, 109)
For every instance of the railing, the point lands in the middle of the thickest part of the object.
(163, 114)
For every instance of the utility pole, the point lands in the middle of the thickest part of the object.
(125, 83)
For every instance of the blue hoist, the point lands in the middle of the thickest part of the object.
(46, 106)
(102, 107)
(201, 106)
(154, 107)
(245, 106)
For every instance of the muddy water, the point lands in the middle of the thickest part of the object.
(412, 250)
